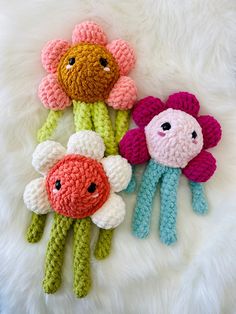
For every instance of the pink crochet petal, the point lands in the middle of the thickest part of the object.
(211, 130)
(51, 93)
(89, 32)
(146, 109)
(133, 147)
(184, 101)
(52, 53)
(200, 168)
(123, 95)
(124, 55)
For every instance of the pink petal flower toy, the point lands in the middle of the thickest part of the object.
(173, 138)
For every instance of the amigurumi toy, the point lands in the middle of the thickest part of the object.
(89, 73)
(174, 138)
(79, 185)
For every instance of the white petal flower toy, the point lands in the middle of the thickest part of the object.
(80, 186)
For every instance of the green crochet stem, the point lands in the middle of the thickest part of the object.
(96, 117)
(103, 126)
(81, 262)
(121, 124)
(49, 126)
(37, 225)
(82, 116)
(36, 228)
(55, 253)
(103, 245)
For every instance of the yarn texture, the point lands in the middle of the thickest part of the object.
(174, 138)
(79, 184)
(90, 73)
(88, 70)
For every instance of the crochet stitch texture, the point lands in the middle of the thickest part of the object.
(88, 70)
(79, 184)
(174, 138)
(89, 73)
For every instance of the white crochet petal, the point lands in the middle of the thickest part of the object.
(118, 171)
(46, 155)
(86, 143)
(35, 197)
(111, 214)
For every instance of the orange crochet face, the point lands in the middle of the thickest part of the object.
(87, 72)
(77, 186)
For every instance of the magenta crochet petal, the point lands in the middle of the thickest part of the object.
(89, 32)
(124, 55)
(52, 53)
(200, 168)
(184, 101)
(211, 130)
(51, 93)
(133, 147)
(146, 109)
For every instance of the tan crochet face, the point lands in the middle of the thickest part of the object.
(87, 72)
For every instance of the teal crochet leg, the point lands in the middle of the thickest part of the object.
(168, 213)
(132, 183)
(142, 213)
(199, 201)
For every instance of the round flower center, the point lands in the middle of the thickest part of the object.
(77, 186)
(174, 138)
(88, 72)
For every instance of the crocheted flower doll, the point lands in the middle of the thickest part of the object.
(89, 73)
(174, 138)
(80, 186)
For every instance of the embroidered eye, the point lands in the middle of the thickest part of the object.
(58, 184)
(71, 61)
(194, 134)
(92, 188)
(103, 62)
(166, 126)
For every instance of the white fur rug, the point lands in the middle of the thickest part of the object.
(180, 45)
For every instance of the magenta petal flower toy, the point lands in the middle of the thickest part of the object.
(174, 138)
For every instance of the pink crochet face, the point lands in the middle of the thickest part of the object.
(77, 186)
(173, 134)
(174, 138)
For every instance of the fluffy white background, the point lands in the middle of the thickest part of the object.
(180, 45)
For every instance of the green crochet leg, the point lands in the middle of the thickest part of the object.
(86, 116)
(36, 228)
(103, 126)
(81, 263)
(121, 124)
(55, 253)
(103, 246)
(49, 126)
(82, 116)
